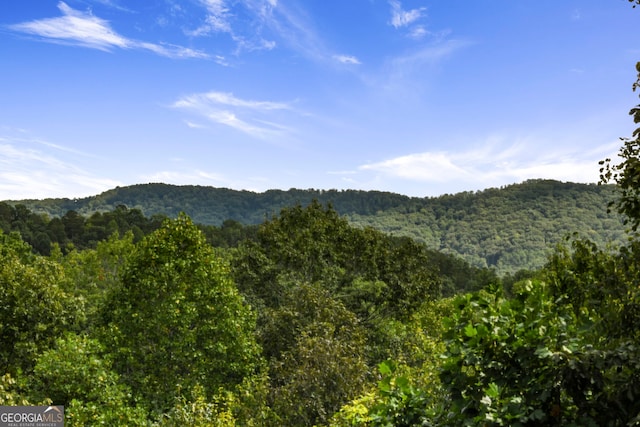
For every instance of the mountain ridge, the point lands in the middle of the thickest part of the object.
(508, 228)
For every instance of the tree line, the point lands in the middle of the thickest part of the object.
(312, 321)
(75, 231)
(282, 328)
(508, 229)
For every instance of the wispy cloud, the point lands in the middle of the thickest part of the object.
(493, 165)
(292, 26)
(418, 32)
(426, 55)
(407, 74)
(84, 29)
(267, 24)
(33, 168)
(193, 125)
(255, 25)
(347, 59)
(401, 18)
(114, 5)
(298, 32)
(220, 18)
(254, 118)
(217, 19)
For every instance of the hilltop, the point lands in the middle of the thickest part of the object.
(508, 228)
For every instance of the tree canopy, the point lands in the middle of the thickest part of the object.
(177, 320)
(626, 174)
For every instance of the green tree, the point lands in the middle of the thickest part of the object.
(385, 275)
(554, 354)
(507, 359)
(93, 274)
(316, 352)
(35, 309)
(10, 393)
(626, 174)
(74, 227)
(177, 320)
(199, 411)
(410, 392)
(74, 373)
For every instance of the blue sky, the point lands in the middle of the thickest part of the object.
(415, 97)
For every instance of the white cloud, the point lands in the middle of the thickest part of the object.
(172, 51)
(493, 165)
(114, 5)
(221, 60)
(347, 59)
(428, 55)
(418, 32)
(428, 166)
(36, 169)
(217, 19)
(193, 125)
(74, 26)
(84, 29)
(293, 26)
(256, 25)
(229, 99)
(220, 18)
(248, 116)
(405, 76)
(402, 18)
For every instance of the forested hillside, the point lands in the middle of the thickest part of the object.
(509, 228)
(308, 320)
(212, 206)
(155, 326)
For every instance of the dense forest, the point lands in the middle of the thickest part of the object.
(308, 320)
(211, 205)
(508, 229)
(156, 324)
